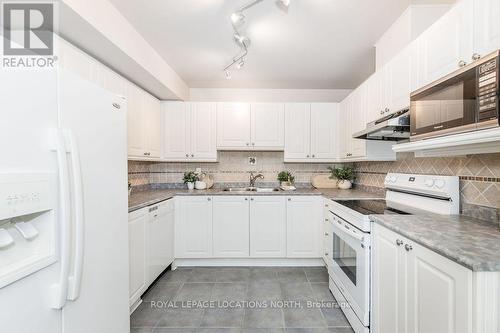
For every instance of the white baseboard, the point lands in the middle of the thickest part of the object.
(292, 262)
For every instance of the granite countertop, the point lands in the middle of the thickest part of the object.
(470, 242)
(144, 198)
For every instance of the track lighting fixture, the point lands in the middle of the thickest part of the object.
(237, 20)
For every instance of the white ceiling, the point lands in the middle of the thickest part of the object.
(318, 44)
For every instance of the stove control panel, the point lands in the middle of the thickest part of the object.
(434, 185)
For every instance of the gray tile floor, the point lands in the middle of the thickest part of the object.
(240, 300)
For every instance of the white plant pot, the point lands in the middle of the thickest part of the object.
(190, 186)
(344, 184)
(199, 185)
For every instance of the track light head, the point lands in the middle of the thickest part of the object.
(240, 64)
(237, 18)
(242, 41)
(283, 4)
(227, 73)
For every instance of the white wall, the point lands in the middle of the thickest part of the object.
(268, 95)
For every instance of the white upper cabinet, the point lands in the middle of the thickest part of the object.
(176, 131)
(203, 131)
(324, 124)
(143, 124)
(189, 132)
(399, 84)
(268, 125)
(297, 131)
(446, 44)
(311, 132)
(231, 225)
(233, 125)
(242, 126)
(268, 227)
(486, 26)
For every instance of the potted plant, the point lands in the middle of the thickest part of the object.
(286, 178)
(129, 188)
(344, 176)
(190, 177)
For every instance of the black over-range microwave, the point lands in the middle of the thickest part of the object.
(463, 101)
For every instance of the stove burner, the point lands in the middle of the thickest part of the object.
(369, 207)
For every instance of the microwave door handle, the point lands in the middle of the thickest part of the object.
(59, 290)
(348, 232)
(75, 278)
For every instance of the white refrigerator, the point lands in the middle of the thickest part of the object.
(63, 205)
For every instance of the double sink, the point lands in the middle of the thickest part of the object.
(250, 189)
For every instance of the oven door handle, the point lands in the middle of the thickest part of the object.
(349, 232)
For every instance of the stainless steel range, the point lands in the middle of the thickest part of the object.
(349, 265)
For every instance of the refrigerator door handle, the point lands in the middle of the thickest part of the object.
(75, 277)
(59, 290)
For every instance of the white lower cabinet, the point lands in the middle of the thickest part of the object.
(268, 227)
(417, 290)
(137, 254)
(193, 227)
(159, 239)
(230, 226)
(304, 216)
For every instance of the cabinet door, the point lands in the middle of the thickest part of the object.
(231, 226)
(233, 125)
(373, 106)
(203, 131)
(176, 131)
(389, 283)
(135, 122)
(486, 26)
(439, 293)
(268, 227)
(358, 121)
(160, 239)
(268, 126)
(399, 87)
(303, 219)
(193, 227)
(446, 43)
(152, 130)
(297, 131)
(344, 131)
(324, 124)
(137, 255)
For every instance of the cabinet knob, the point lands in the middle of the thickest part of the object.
(248, 144)
(399, 242)
(253, 143)
(307, 156)
(326, 254)
(476, 56)
(326, 220)
(462, 63)
(408, 248)
(326, 234)
(251, 199)
(314, 156)
(192, 155)
(289, 199)
(209, 199)
(381, 111)
(187, 155)
(246, 199)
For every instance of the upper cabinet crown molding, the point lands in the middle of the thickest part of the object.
(244, 126)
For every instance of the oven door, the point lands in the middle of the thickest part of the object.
(447, 106)
(350, 267)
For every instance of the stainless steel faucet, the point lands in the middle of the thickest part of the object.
(253, 178)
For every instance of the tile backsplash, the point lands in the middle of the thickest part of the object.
(479, 174)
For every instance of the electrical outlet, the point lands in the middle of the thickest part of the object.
(252, 160)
